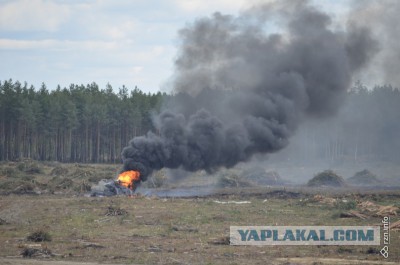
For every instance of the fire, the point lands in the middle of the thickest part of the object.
(128, 178)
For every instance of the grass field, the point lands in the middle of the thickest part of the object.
(191, 230)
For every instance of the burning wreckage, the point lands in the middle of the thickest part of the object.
(126, 184)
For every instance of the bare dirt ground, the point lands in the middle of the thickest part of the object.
(151, 230)
(177, 230)
(285, 261)
(15, 261)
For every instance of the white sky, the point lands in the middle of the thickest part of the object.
(130, 42)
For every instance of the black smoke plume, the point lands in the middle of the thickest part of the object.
(382, 18)
(242, 90)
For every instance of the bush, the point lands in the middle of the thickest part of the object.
(9, 172)
(39, 236)
(364, 178)
(17, 187)
(327, 178)
(29, 167)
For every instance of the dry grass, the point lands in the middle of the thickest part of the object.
(151, 230)
(167, 231)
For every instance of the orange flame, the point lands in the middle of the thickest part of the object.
(128, 178)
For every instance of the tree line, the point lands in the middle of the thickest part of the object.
(76, 124)
(88, 124)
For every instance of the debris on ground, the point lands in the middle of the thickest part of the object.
(387, 210)
(112, 211)
(395, 226)
(327, 178)
(339, 203)
(368, 206)
(324, 200)
(369, 209)
(374, 209)
(3, 222)
(107, 187)
(353, 214)
(29, 252)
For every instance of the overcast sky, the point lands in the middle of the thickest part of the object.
(131, 42)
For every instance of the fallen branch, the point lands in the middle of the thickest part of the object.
(395, 225)
(351, 214)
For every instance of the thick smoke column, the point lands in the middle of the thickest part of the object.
(242, 91)
(382, 18)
